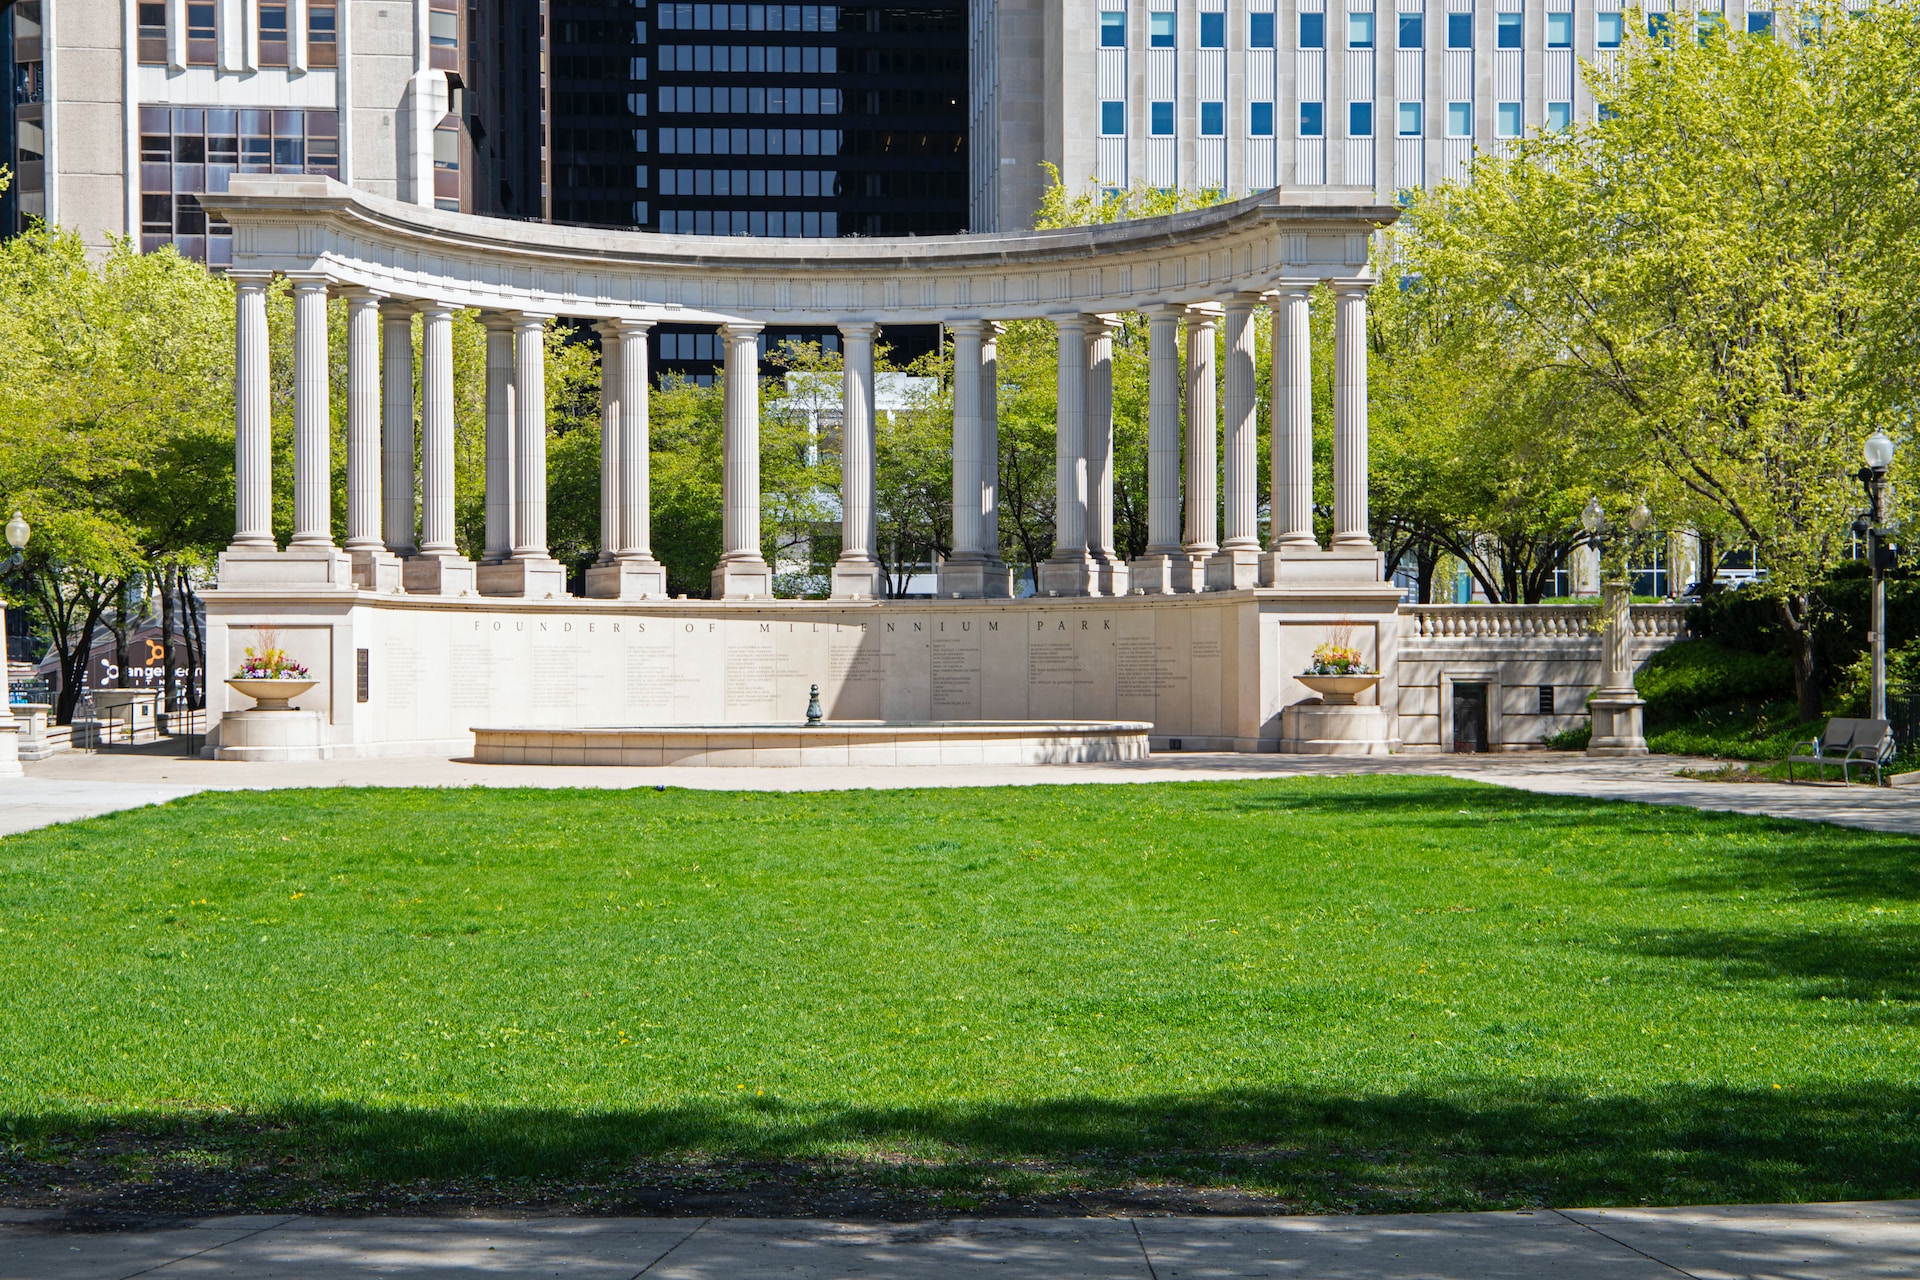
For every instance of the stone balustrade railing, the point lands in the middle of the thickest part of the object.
(1534, 621)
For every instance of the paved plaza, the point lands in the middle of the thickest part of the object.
(79, 784)
(1795, 1242)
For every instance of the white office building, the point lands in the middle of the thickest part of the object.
(1242, 95)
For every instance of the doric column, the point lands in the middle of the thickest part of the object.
(1155, 572)
(374, 567)
(528, 572)
(857, 574)
(396, 427)
(1292, 526)
(252, 415)
(438, 567)
(1202, 505)
(1111, 573)
(1070, 571)
(312, 416)
(974, 568)
(1350, 416)
(1237, 563)
(990, 444)
(500, 419)
(633, 573)
(742, 572)
(610, 414)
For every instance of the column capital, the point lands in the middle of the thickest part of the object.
(497, 321)
(1099, 322)
(737, 329)
(398, 308)
(1286, 290)
(1346, 288)
(307, 281)
(528, 319)
(970, 326)
(620, 326)
(251, 281)
(434, 307)
(1204, 311)
(858, 328)
(1243, 302)
(363, 294)
(1070, 321)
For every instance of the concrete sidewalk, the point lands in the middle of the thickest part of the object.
(1796, 1242)
(78, 785)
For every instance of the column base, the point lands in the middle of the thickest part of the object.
(859, 579)
(1155, 573)
(1071, 575)
(439, 573)
(1111, 574)
(1190, 570)
(529, 578)
(1304, 566)
(1617, 729)
(378, 570)
(637, 579)
(976, 580)
(1233, 569)
(743, 580)
(268, 569)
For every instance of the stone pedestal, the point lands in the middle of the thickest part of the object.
(1302, 566)
(523, 578)
(627, 580)
(1157, 574)
(1077, 575)
(976, 580)
(1233, 569)
(271, 736)
(303, 568)
(858, 580)
(1111, 575)
(10, 749)
(742, 580)
(440, 575)
(378, 571)
(1617, 724)
(1324, 729)
(33, 720)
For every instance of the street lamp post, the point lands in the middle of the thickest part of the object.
(1616, 708)
(17, 533)
(1881, 556)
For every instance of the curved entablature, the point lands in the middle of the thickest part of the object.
(314, 225)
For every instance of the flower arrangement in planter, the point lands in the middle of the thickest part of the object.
(270, 663)
(270, 677)
(1337, 660)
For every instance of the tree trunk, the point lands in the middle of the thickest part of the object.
(168, 684)
(1426, 559)
(1797, 614)
(196, 648)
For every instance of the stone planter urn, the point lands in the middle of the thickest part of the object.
(272, 695)
(1340, 691)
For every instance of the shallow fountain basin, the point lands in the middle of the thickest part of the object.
(842, 743)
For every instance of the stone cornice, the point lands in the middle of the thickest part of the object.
(313, 224)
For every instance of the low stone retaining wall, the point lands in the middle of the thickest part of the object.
(1537, 664)
(794, 746)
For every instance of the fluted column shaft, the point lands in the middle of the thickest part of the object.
(436, 430)
(611, 412)
(500, 425)
(1350, 417)
(530, 437)
(1099, 435)
(1202, 437)
(859, 523)
(1241, 446)
(1163, 431)
(741, 478)
(1292, 423)
(312, 416)
(397, 510)
(970, 485)
(252, 415)
(1070, 438)
(990, 439)
(363, 421)
(636, 486)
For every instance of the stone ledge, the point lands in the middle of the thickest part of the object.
(797, 746)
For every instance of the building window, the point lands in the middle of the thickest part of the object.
(1706, 22)
(1459, 119)
(1459, 31)
(1659, 25)
(1113, 29)
(1409, 119)
(1213, 31)
(1559, 115)
(1359, 119)
(1360, 31)
(273, 35)
(187, 151)
(1160, 29)
(1412, 31)
(153, 34)
(1313, 31)
(1560, 31)
(1758, 24)
(1509, 30)
(1507, 119)
(1160, 119)
(202, 33)
(1546, 700)
(1312, 122)
(1113, 119)
(1213, 119)
(321, 48)
(1260, 119)
(1260, 31)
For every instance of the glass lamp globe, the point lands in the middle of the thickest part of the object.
(17, 532)
(1878, 450)
(1640, 518)
(1592, 517)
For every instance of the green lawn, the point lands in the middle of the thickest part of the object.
(1366, 993)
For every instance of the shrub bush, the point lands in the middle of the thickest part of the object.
(1693, 675)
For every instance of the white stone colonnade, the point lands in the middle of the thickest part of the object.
(1204, 270)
